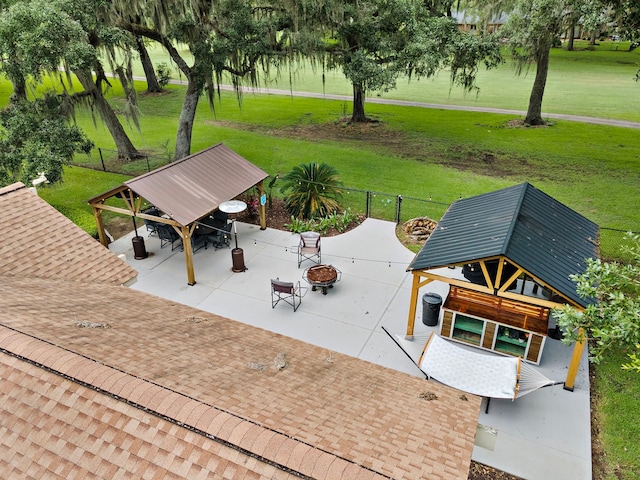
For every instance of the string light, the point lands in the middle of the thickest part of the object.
(353, 259)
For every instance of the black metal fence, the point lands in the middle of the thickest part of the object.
(396, 208)
(109, 160)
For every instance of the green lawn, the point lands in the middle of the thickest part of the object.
(616, 413)
(79, 185)
(415, 152)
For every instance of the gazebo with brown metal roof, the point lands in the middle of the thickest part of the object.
(186, 191)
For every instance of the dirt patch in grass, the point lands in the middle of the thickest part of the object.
(378, 136)
(119, 226)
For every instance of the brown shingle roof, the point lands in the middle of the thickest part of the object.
(55, 427)
(333, 418)
(37, 241)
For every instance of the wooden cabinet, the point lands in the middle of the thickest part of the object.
(492, 335)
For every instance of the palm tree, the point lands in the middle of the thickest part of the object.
(312, 190)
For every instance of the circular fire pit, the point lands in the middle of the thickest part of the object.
(323, 276)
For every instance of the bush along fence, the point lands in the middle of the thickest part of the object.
(384, 206)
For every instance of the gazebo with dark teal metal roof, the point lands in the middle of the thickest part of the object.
(517, 248)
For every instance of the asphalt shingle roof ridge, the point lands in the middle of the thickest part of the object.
(37, 241)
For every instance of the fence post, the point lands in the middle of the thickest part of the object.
(398, 208)
(101, 159)
(148, 166)
(367, 208)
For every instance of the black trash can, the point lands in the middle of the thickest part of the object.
(139, 250)
(431, 303)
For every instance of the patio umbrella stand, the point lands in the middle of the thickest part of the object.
(237, 254)
(139, 250)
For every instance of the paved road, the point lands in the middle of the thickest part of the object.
(407, 103)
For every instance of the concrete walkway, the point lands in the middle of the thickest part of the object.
(544, 435)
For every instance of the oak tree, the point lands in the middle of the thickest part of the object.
(37, 37)
(375, 42)
(36, 137)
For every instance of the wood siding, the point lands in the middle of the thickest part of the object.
(489, 332)
(535, 345)
(447, 318)
(502, 310)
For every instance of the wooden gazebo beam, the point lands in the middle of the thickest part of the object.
(134, 203)
(423, 277)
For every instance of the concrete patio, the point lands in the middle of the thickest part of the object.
(543, 435)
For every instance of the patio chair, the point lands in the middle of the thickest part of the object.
(197, 242)
(152, 227)
(205, 227)
(221, 237)
(288, 292)
(168, 235)
(309, 247)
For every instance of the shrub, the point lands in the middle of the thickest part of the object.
(163, 72)
(339, 221)
(312, 190)
(298, 225)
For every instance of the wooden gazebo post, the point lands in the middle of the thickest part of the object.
(185, 233)
(413, 303)
(263, 206)
(97, 214)
(576, 356)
